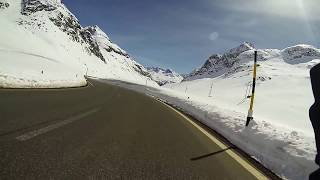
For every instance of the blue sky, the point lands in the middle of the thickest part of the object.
(182, 34)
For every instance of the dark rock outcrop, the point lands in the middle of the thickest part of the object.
(4, 5)
(140, 69)
(300, 54)
(92, 38)
(164, 76)
(32, 6)
(66, 22)
(93, 45)
(218, 64)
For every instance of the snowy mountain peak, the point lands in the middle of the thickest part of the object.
(300, 53)
(48, 29)
(212, 61)
(97, 31)
(233, 60)
(92, 38)
(169, 71)
(164, 76)
(162, 70)
(217, 64)
(246, 46)
(104, 41)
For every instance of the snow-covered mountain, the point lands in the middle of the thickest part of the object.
(217, 64)
(44, 36)
(236, 59)
(164, 76)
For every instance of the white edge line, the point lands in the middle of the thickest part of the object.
(32, 134)
(234, 155)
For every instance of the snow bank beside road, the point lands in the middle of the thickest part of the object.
(288, 153)
(281, 137)
(22, 70)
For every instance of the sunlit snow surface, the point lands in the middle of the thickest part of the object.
(35, 53)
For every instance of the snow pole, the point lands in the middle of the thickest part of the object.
(86, 70)
(210, 92)
(250, 112)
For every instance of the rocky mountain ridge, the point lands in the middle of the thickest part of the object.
(164, 76)
(237, 58)
(92, 38)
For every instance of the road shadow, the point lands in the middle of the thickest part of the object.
(211, 154)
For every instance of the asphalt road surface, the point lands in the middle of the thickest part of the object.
(106, 132)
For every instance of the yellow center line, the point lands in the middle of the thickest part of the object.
(235, 156)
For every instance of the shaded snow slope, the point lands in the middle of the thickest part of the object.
(46, 28)
(164, 76)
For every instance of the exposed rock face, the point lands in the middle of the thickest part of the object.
(233, 53)
(218, 64)
(39, 14)
(140, 69)
(230, 58)
(300, 53)
(32, 6)
(4, 5)
(98, 39)
(66, 22)
(93, 45)
(215, 61)
(104, 41)
(235, 60)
